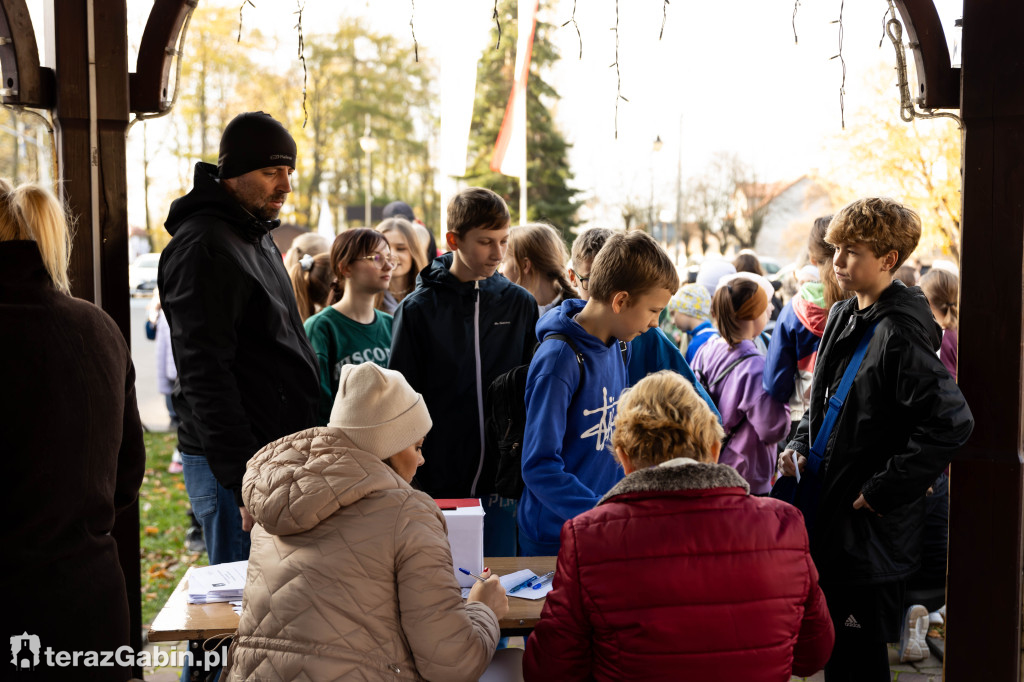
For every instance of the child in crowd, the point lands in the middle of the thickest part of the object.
(690, 308)
(350, 331)
(570, 410)
(537, 261)
(711, 271)
(942, 289)
(312, 277)
(731, 367)
(308, 243)
(903, 419)
(679, 573)
(350, 573)
(794, 343)
(464, 326)
(410, 258)
(650, 352)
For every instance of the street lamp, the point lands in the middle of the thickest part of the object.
(369, 145)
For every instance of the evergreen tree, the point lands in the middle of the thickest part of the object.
(550, 198)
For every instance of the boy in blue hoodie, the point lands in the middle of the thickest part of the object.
(567, 461)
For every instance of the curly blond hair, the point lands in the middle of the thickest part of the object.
(661, 418)
(882, 223)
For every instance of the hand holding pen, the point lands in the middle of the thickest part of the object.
(489, 591)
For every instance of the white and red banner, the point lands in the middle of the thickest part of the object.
(509, 156)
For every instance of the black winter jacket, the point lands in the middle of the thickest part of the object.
(246, 372)
(903, 420)
(450, 340)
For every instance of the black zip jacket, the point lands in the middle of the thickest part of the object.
(246, 372)
(450, 340)
(902, 421)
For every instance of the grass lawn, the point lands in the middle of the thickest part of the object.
(163, 519)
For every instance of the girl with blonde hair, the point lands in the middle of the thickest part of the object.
(942, 289)
(537, 260)
(72, 439)
(410, 256)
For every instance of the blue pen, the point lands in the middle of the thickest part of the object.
(522, 585)
(483, 580)
(544, 580)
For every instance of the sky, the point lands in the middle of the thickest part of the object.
(724, 76)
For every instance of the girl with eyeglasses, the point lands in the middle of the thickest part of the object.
(350, 331)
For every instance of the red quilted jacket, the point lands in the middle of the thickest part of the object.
(679, 574)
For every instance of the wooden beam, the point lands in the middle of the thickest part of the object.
(151, 80)
(99, 204)
(986, 554)
(24, 81)
(938, 82)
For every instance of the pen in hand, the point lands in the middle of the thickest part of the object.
(483, 580)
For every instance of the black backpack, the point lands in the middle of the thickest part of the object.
(506, 420)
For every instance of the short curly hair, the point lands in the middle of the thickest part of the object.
(882, 223)
(661, 418)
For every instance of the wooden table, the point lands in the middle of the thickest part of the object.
(178, 620)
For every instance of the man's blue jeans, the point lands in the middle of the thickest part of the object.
(217, 512)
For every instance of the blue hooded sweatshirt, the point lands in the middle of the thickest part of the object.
(567, 455)
(652, 352)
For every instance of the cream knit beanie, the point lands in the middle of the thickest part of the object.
(378, 410)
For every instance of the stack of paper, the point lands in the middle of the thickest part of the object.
(223, 582)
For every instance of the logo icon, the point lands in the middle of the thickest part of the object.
(25, 651)
(851, 622)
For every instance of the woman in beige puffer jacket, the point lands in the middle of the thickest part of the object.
(350, 574)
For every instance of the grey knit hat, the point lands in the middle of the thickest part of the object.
(378, 410)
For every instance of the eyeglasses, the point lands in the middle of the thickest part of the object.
(583, 280)
(379, 260)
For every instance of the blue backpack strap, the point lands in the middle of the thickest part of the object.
(835, 403)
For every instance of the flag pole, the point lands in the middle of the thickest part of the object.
(522, 176)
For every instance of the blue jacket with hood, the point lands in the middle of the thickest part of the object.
(567, 456)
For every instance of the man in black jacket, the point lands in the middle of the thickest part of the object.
(903, 419)
(246, 372)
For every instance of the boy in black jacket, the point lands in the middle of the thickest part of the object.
(899, 427)
(463, 326)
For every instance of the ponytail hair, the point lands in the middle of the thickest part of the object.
(726, 305)
(31, 212)
(942, 289)
(822, 253)
(311, 281)
(348, 247)
(541, 244)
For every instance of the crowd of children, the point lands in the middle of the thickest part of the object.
(700, 431)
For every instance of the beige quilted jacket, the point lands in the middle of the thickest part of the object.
(350, 573)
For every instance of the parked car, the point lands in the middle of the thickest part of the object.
(142, 274)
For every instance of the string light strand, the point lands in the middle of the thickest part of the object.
(618, 73)
(302, 58)
(412, 27)
(244, 3)
(796, 5)
(842, 86)
(664, 16)
(572, 20)
(498, 24)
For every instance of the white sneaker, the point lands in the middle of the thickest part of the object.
(913, 641)
(937, 617)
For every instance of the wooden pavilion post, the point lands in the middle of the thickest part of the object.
(91, 120)
(987, 479)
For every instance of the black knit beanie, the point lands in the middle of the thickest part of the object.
(251, 141)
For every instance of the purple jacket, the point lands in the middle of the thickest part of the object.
(759, 421)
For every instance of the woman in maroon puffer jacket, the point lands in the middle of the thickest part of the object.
(678, 573)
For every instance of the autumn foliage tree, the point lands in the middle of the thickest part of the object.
(917, 163)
